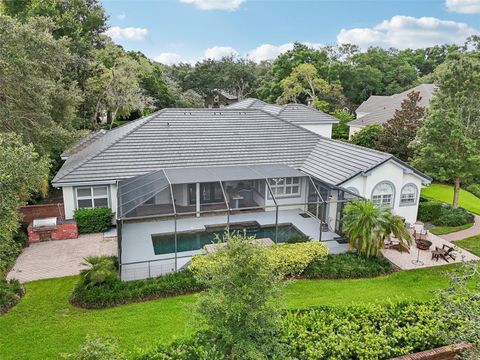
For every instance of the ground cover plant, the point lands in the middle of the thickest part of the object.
(61, 327)
(348, 266)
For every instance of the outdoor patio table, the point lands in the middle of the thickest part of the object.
(436, 254)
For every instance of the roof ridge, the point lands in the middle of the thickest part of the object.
(95, 154)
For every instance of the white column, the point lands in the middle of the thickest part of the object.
(197, 200)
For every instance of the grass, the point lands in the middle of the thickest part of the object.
(442, 230)
(44, 324)
(471, 244)
(443, 192)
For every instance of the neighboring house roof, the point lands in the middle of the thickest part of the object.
(380, 109)
(248, 103)
(178, 138)
(295, 113)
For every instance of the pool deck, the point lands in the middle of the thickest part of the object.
(137, 245)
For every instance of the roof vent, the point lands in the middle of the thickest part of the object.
(187, 113)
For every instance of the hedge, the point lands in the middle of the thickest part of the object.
(348, 266)
(287, 259)
(93, 220)
(355, 332)
(442, 214)
(121, 292)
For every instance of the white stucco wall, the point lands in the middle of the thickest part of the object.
(70, 203)
(395, 174)
(323, 130)
(353, 130)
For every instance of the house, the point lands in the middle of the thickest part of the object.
(178, 177)
(307, 117)
(380, 109)
(219, 99)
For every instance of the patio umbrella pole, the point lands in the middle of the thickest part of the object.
(418, 262)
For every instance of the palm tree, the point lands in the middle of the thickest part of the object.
(368, 226)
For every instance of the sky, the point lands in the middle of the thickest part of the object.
(173, 31)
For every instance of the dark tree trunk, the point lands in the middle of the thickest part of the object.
(456, 192)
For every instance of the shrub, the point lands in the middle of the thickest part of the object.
(286, 259)
(343, 333)
(442, 214)
(348, 266)
(474, 189)
(364, 332)
(101, 270)
(429, 210)
(118, 292)
(10, 293)
(96, 349)
(93, 220)
(292, 259)
(455, 217)
(298, 238)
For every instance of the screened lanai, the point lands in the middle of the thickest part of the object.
(167, 216)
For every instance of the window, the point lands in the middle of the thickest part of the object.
(383, 194)
(92, 196)
(408, 196)
(285, 187)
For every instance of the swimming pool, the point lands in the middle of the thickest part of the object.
(165, 244)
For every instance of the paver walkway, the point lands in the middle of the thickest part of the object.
(53, 259)
(463, 234)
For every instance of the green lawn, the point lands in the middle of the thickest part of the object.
(442, 230)
(471, 244)
(44, 324)
(444, 193)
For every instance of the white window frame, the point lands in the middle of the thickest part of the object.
(92, 197)
(409, 199)
(384, 200)
(285, 184)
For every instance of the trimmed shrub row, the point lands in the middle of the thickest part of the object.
(287, 259)
(442, 214)
(116, 292)
(474, 189)
(348, 266)
(356, 332)
(93, 220)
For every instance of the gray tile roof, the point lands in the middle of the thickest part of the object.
(380, 109)
(294, 113)
(248, 103)
(179, 138)
(304, 115)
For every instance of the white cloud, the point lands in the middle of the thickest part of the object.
(218, 52)
(463, 6)
(168, 58)
(268, 51)
(228, 5)
(404, 32)
(128, 33)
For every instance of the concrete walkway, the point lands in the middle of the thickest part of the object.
(53, 259)
(463, 234)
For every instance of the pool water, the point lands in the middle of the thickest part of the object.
(165, 244)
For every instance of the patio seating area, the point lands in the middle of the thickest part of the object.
(426, 250)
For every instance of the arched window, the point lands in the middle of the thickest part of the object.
(408, 196)
(383, 194)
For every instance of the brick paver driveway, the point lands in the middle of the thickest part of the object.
(53, 259)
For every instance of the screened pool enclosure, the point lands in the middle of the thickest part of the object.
(167, 216)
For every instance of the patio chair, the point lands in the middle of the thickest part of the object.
(444, 252)
(420, 235)
(395, 244)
